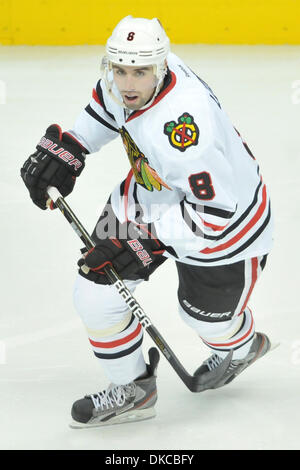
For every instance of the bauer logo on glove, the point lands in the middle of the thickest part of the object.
(60, 153)
(127, 255)
(59, 159)
(139, 250)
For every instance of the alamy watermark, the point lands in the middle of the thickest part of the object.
(176, 222)
(2, 92)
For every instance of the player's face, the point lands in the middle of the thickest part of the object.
(135, 84)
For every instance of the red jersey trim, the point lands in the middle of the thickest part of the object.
(96, 97)
(126, 190)
(213, 226)
(246, 229)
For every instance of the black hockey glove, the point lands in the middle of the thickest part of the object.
(59, 159)
(134, 249)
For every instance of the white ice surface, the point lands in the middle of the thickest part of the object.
(45, 359)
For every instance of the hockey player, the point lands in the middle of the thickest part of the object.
(194, 194)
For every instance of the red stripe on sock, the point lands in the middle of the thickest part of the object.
(238, 340)
(118, 342)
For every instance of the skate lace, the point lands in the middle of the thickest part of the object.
(213, 361)
(114, 396)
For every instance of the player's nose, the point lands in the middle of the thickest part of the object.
(129, 83)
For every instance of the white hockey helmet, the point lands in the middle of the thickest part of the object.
(136, 42)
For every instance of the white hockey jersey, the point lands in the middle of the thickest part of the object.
(191, 173)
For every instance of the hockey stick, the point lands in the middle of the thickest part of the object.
(194, 383)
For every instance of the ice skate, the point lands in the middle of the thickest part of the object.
(220, 372)
(119, 403)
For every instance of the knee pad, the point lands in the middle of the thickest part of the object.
(101, 307)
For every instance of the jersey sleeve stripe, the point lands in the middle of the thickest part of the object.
(231, 227)
(194, 227)
(244, 231)
(240, 248)
(214, 227)
(215, 211)
(244, 214)
(190, 222)
(98, 118)
(218, 212)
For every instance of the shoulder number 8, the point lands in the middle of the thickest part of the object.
(201, 185)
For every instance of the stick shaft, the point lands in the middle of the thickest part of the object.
(131, 302)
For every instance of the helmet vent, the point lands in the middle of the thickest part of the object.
(113, 50)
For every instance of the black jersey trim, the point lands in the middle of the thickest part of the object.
(122, 188)
(98, 118)
(242, 247)
(139, 212)
(229, 229)
(211, 93)
(189, 221)
(100, 96)
(218, 212)
(211, 210)
(244, 214)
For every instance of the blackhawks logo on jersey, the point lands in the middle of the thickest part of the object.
(143, 173)
(182, 134)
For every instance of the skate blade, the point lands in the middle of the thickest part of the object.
(128, 417)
